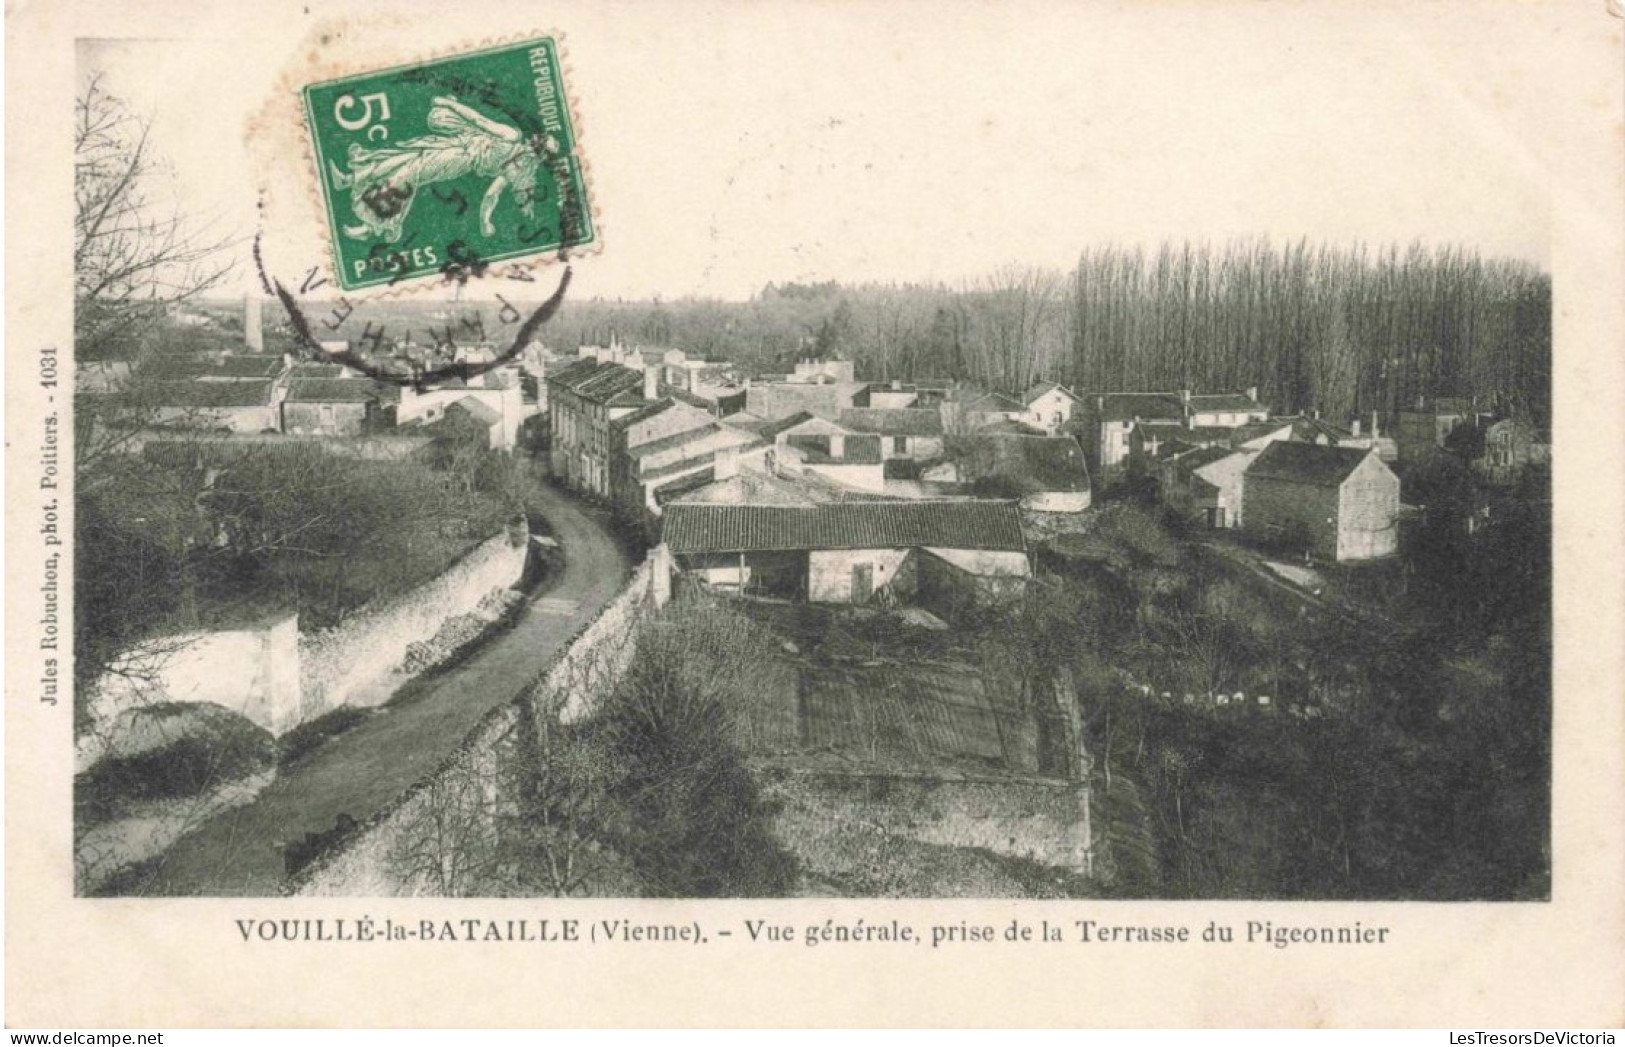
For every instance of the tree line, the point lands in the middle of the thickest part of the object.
(1346, 329)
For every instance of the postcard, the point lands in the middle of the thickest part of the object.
(806, 513)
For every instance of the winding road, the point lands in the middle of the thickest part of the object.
(239, 852)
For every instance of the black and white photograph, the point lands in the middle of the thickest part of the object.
(820, 455)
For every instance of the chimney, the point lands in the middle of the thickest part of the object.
(1354, 427)
(1252, 393)
(1374, 431)
(837, 446)
(651, 383)
(1185, 396)
(253, 326)
(896, 385)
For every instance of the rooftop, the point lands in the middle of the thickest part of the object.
(1035, 391)
(339, 391)
(1035, 463)
(1316, 464)
(212, 394)
(1124, 407)
(703, 528)
(892, 421)
(241, 366)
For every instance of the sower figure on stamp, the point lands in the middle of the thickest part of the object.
(384, 182)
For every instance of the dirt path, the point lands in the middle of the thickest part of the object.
(359, 772)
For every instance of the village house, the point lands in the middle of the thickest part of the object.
(230, 367)
(499, 392)
(338, 406)
(1336, 503)
(658, 445)
(584, 399)
(854, 552)
(1206, 420)
(1111, 421)
(818, 395)
(1046, 474)
(1421, 431)
(235, 406)
(974, 409)
(1206, 485)
(852, 459)
(895, 393)
(1509, 446)
(914, 433)
(1223, 409)
(1049, 406)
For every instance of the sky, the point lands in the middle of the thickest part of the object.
(733, 146)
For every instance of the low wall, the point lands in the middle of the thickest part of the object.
(429, 841)
(583, 674)
(342, 665)
(278, 677)
(252, 671)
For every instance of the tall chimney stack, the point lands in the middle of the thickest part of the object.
(651, 383)
(253, 326)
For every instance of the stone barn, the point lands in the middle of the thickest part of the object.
(1338, 503)
(851, 552)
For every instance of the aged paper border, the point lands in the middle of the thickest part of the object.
(85, 963)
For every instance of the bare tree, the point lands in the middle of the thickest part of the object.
(132, 258)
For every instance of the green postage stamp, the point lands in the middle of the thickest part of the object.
(445, 167)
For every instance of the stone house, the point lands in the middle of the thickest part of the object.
(1337, 503)
(1207, 419)
(231, 406)
(1049, 406)
(1422, 431)
(584, 400)
(1045, 473)
(914, 433)
(1508, 447)
(338, 406)
(1206, 484)
(853, 552)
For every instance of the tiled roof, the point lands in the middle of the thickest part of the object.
(703, 528)
(666, 443)
(703, 458)
(1253, 430)
(893, 421)
(1193, 434)
(1034, 463)
(1043, 387)
(777, 426)
(317, 371)
(653, 408)
(1315, 464)
(1009, 427)
(1224, 402)
(1196, 459)
(992, 403)
(1123, 407)
(334, 391)
(211, 394)
(599, 383)
(242, 366)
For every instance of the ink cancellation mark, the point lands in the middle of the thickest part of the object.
(458, 162)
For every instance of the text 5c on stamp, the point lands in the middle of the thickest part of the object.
(449, 165)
